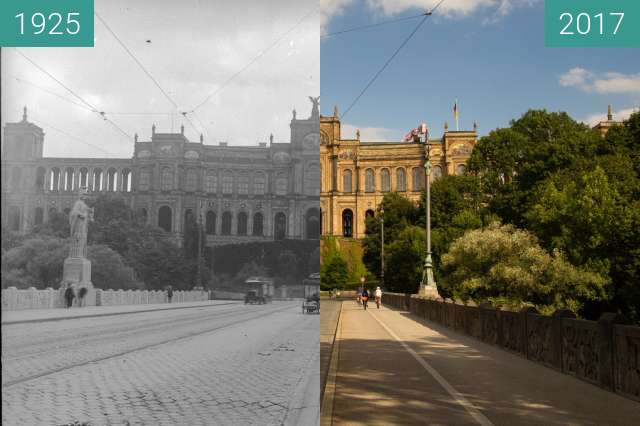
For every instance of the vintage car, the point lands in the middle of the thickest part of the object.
(259, 290)
(311, 302)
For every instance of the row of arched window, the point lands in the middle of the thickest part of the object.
(399, 183)
(225, 183)
(70, 179)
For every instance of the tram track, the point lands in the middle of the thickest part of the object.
(243, 315)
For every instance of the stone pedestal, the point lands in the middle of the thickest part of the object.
(429, 292)
(77, 271)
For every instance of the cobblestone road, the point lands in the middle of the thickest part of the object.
(214, 365)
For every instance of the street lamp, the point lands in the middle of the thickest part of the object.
(381, 245)
(428, 286)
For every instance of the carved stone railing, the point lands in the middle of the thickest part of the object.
(604, 352)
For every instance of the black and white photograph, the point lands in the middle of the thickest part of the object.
(161, 219)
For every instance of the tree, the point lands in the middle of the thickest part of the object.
(505, 266)
(404, 257)
(37, 262)
(108, 270)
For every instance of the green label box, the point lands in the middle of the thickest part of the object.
(46, 23)
(592, 23)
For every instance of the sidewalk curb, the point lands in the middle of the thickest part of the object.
(326, 405)
(107, 314)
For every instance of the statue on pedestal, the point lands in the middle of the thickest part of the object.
(76, 271)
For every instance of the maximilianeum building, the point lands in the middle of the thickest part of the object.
(244, 193)
(356, 175)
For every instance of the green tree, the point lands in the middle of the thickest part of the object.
(37, 262)
(506, 266)
(108, 270)
(404, 257)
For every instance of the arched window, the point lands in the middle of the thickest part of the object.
(40, 176)
(460, 169)
(347, 223)
(38, 217)
(112, 180)
(242, 224)
(226, 223)
(418, 178)
(69, 174)
(346, 181)
(16, 178)
(243, 184)
(369, 181)
(258, 226)
(313, 224)
(97, 180)
(401, 180)
(212, 182)
(280, 226)
(191, 183)
(281, 185)
(166, 179)
(142, 216)
(144, 181)
(385, 180)
(369, 213)
(14, 218)
(165, 219)
(189, 219)
(55, 180)
(312, 180)
(126, 180)
(227, 183)
(436, 173)
(211, 223)
(84, 177)
(259, 183)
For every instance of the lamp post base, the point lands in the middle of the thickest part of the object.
(428, 287)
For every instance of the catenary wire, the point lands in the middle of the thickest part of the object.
(93, 108)
(142, 67)
(377, 24)
(395, 53)
(252, 61)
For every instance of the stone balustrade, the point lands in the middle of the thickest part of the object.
(32, 298)
(604, 352)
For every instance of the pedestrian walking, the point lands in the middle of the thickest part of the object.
(169, 293)
(69, 295)
(378, 295)
(359, 295)
(81, 295)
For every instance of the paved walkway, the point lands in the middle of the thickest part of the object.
(397, 369)
(39, 315)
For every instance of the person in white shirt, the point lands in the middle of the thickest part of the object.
(378, 297)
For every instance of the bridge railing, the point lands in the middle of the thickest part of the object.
(604, 352)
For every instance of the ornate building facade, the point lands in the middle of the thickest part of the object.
(356, 175)
(239, 193)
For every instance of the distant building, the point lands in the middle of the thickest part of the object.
(356, 175)
(604, 126)
(244, 193)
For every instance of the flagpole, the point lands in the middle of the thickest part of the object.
(457, 115)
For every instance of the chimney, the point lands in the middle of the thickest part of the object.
(610, 113)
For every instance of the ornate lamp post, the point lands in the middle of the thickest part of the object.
(381, 245)
(428, 283)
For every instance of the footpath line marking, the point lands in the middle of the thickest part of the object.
(326, 406)
(460, 399)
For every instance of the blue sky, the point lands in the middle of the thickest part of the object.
(489, 54)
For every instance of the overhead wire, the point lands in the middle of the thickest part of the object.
(252, 61)
(144, 69)
(77, 96)
(377, 24)
(395, 53)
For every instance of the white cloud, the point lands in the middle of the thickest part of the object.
(450, 9)
(623, 114)
(331, 8)
(604, 83)
(370, 134)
